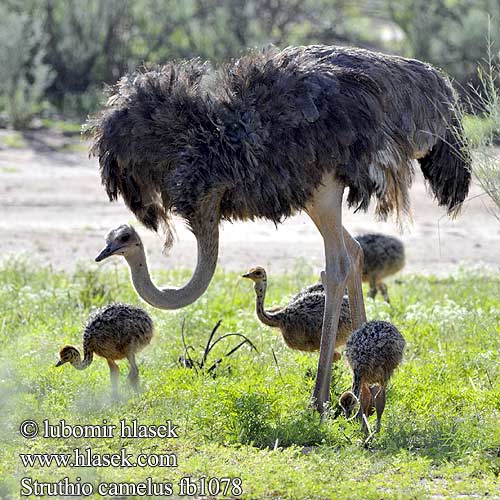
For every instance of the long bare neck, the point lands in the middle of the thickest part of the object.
(260, 296)
(88, 355)
(207, 239)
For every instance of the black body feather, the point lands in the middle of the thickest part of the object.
(269, 126)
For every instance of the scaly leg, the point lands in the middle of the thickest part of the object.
(365, 408)
(354, 283)
(325, 210)
(133, 375)
(373, 287)
(380, 406)
(383, 290)
(114, 373)
(366, 400)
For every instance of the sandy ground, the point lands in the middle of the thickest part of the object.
(54, 209)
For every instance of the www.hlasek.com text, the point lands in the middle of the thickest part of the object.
(87, 458)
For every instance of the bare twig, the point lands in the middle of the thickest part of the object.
(208, 347)
(188, 362)
(276, 363)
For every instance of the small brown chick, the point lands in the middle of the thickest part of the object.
(115, 331)
(301, 320)
(383, 256)
(373, 351)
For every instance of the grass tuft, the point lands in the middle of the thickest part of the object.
(440, 432)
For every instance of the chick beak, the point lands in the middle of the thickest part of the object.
(59, 363)
(247, 275)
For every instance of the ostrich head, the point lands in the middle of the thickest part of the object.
(68, 354)
(348, 401)
(123, 240)
(256, 274)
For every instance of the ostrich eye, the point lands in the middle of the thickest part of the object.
(125, 238)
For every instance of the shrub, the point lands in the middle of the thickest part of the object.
(24, 75)
(483, 131)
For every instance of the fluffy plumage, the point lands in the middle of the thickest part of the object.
(373, 351)
(265, 129)
(115, 331)
(301, 320)
(383, 256)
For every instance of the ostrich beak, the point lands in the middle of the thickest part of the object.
(60, 362)
(247, 275)
(107, 251)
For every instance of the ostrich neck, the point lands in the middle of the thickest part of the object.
(175, 298)
(87, 359)
(260, 296)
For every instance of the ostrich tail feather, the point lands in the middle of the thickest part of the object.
(447, 168)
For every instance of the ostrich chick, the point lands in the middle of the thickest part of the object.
(373, 352)
(115, 331)
(383, 256)
(301, 320)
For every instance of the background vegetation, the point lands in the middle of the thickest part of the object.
(55, 55)
(441, 429)
(440, 432)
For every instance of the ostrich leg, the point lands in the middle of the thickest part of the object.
(373, 288)
(133, 375)
(354, 285)
(325, 210)
(114, 373)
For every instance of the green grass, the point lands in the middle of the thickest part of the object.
(440, 431)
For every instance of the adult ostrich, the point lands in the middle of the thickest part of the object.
(271, 134)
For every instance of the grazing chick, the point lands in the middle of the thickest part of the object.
(115, 331)
(373, 352)
(383, 256)
(301, 320)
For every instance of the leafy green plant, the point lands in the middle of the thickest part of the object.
(449, 34)
(483, 130)
(187, 361)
